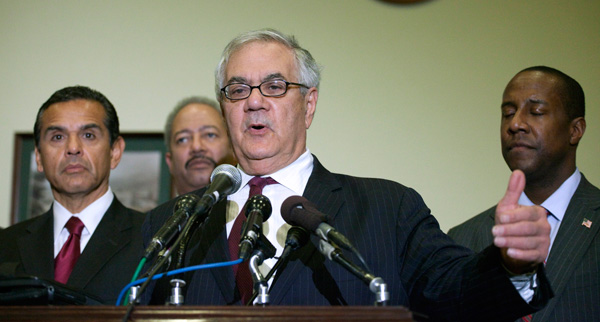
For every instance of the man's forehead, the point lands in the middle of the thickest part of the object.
(76, 113)
(260, 61)
(197, 116)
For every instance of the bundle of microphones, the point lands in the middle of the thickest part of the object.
(254, 247)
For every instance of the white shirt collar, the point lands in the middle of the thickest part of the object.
(558, 202)
(90, 216)
(294, 176)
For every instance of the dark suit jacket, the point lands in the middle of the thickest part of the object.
(573, 266)
(399, 239)
(105, 266)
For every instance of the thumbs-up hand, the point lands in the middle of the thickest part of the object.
(521, 232)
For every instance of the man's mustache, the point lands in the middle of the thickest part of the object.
(201, 156)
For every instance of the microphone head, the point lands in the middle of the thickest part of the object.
(259, 203)
(296, 237)
(230, 171)
(298, 211)
(187, 202)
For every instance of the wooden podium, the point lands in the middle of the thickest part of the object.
(205, 313)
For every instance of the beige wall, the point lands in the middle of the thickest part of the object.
(409, 93)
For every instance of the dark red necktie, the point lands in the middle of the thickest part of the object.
(241, 271)
(69, 253)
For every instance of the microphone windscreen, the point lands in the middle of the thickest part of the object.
(298, 211)
(230, 171)
(259, 203)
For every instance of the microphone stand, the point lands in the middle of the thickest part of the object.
(264, 251)
(178, 256)
(160, 261)
(375, 284)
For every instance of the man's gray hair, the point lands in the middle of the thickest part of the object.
(183, 103)
(308, 69)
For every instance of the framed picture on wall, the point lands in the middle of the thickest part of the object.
(141, 180)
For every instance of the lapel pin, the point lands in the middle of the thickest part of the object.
(587, 223)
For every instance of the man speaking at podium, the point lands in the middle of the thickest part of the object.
(87, 240)
(268, 89)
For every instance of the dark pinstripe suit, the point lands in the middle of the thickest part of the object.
(399, 239)
(105, 266)
(573, 266)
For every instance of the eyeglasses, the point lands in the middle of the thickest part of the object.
(271, 88)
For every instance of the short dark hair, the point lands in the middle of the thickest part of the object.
(72, 93)
(572, 96)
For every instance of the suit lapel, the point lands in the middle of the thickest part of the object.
(572, 241)
(325, 192)
(37, 248)
(111, 235)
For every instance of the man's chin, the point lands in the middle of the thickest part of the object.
(199, 179)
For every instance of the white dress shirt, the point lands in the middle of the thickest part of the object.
(90, 216)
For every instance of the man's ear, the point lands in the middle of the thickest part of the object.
(577, 130)
(311, 105)
(168, 160)
(38, 160)
(116, 152)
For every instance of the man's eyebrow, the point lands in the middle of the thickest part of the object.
(90, 126)
(53, 128)
(181, 132)
(243, 80)
(202, 128)
(237, 79)
(273, 76)
(537, 101)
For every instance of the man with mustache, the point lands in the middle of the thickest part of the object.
(268, 88)
(87, 240)
(543, 120)
(196, 141)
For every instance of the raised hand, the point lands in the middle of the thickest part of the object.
(522, 232)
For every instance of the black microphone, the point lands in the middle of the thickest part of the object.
(182, 211)
(258, 210)
(298, 211)
(296, 238)
(224, 180)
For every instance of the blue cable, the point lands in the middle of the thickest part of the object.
(174, 272)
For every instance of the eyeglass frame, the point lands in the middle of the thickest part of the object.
(287, 84)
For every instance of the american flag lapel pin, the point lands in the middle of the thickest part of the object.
(587, 223)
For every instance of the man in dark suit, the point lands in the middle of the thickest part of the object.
(77, 144)
(268, 89)
(543, 120)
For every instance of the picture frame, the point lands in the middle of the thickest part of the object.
(141, 180)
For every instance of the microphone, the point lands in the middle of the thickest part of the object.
(224, 180)
(258, 210)
(298, 211)
(174, 224)
(375, 284)
(296, 238)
